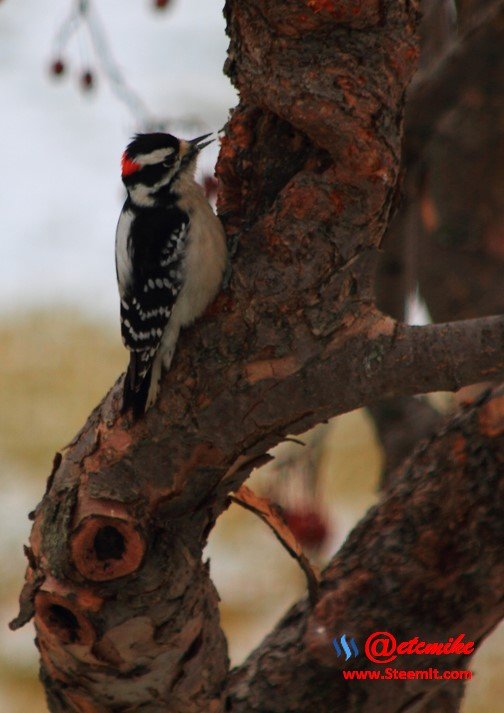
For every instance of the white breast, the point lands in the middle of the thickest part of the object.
(206, 256)
(123, 261)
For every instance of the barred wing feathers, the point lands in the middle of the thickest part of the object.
(152, 245)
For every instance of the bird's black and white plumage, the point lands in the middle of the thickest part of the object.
(170, 257)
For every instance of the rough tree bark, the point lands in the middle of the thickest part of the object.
(125, 611)
(398, 572)
(448, 236)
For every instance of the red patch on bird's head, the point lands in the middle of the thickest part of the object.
(128, 166)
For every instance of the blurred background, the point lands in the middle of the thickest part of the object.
(74, 90)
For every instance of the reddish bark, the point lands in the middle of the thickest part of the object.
(399, 573)
(451, 204)
(129, 621)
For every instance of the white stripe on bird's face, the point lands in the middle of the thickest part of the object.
(145, 196)
(157, 156)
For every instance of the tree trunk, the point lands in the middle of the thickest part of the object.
(125, 611)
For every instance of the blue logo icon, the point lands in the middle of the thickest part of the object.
(344, 644)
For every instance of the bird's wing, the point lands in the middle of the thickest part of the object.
(158, 241)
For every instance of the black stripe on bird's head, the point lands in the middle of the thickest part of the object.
(155, 160)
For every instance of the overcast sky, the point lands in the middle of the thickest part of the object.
(60, 190)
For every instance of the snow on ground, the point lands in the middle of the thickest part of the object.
(60, 189)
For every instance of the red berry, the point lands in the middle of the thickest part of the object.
(161, 4)
(57, 67)
(307, 526)
(87, 81)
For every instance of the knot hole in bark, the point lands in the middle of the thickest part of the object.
(109, 544)
(63, 623)
(58, 618)
(106, 548)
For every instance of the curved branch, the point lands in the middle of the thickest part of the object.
(126, 615)
(426, 561)
(98, 625)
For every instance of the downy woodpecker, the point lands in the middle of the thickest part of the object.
(170, 257)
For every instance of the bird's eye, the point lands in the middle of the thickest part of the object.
(168, 159)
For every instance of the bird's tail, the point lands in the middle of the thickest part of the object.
(141, 385)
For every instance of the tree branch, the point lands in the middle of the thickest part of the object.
(414, 566)
(164, 482)
(125, 612)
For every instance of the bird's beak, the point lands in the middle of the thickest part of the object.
(189, 149)
(199, 142)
